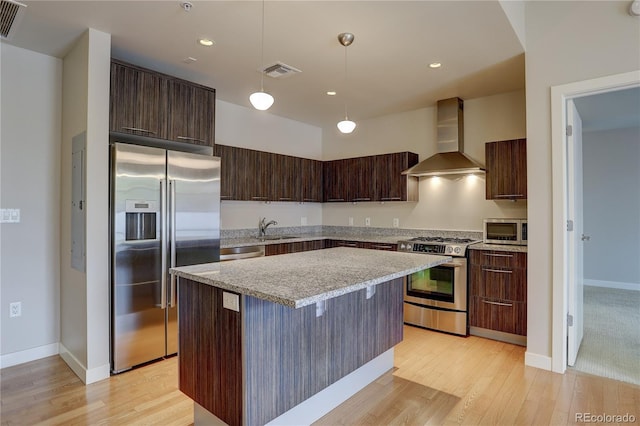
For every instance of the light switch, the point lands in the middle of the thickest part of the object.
(231, 301)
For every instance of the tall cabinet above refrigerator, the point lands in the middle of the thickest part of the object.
(165, 212)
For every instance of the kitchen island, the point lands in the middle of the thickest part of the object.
(289, 337)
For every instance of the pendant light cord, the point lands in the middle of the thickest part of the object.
(262, 52)
(346, 83)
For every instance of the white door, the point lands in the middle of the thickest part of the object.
(575, 237)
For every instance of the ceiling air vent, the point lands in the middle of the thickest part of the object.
(10, 14)
(279, 70)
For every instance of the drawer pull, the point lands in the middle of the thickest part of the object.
(497, 303)
(187, 138)
(258, 198)
(285, 199)
(497, 255)
(382, 247)
(390, 199)
(348, 244)
(309, 199)
(362, 199)
(137, 129)
(335, 199)
(500, 271)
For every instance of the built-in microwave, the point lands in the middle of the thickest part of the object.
(505, 231)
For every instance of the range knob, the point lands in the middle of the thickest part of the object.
(457, 250)
(449, 249)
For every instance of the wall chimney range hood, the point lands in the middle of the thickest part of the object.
(450, 160)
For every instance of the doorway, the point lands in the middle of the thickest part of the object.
(567, 243)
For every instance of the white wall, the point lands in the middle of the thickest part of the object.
(456, 203)
(562, 47)
(84, 302)
(30, 179)
(611, 164)
(252, 129)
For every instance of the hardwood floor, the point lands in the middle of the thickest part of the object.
(437, 379)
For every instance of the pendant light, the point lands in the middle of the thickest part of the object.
(346, 125)
(261, 100)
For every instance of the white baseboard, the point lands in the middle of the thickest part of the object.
(87, 376)
(613, 284)
(16, 358)
(538, 361)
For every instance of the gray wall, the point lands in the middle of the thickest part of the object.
(611, 168)
(30, 178)
(567, 41)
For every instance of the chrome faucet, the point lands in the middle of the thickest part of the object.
(262, 226)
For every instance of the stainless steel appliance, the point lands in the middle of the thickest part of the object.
(437, 298)
(506, 231)
(165, 212)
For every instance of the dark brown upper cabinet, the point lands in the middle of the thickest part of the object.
(506, 170)
(371, 178)
(311, 179)
(191, 116)
(137, 102)
(390, 184)
(148, 103)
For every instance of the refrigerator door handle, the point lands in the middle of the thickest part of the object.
(163, 244)
(172, 215)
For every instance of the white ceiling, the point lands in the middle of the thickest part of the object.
(388, 62)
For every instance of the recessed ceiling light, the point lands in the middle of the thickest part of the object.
(206, 42)
(331, 93)
(435, 65)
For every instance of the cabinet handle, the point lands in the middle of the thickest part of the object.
(362, 199)
(335, 199)
(284, 199)
(508, 195)
(348, 244)
(309, 199)
(136, 129)
(225, 197)
(497, 303)
(500, 271)
(259, 198)
(187, 138)
(497, 255)
(382, 247)
(391, 199)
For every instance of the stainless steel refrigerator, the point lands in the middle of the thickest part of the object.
(165, 212)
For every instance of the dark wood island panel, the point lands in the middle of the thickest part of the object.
(251, 366)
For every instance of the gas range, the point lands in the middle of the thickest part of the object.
(454, 247)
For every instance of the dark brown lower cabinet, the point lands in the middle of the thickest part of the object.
(498, 291)
(295, 247)
(251, 366)
(361, 244)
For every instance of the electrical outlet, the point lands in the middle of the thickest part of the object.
(396, 222)
(367, 221)
(350, 221)
(15, 309)
(231, 301)
(303, 221)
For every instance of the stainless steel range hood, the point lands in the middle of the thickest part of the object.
(450, 160)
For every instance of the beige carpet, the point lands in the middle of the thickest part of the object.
(611, 343)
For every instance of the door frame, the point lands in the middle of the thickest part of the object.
(560, 244)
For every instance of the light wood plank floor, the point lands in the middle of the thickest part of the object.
(438, 379)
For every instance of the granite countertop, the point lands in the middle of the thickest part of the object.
(301, 279)
(501, 247)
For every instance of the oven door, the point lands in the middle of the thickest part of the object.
(443, 286)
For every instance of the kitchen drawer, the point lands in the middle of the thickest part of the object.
(295, 247)
(498, 282)
(499, 315)
(497, 258)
